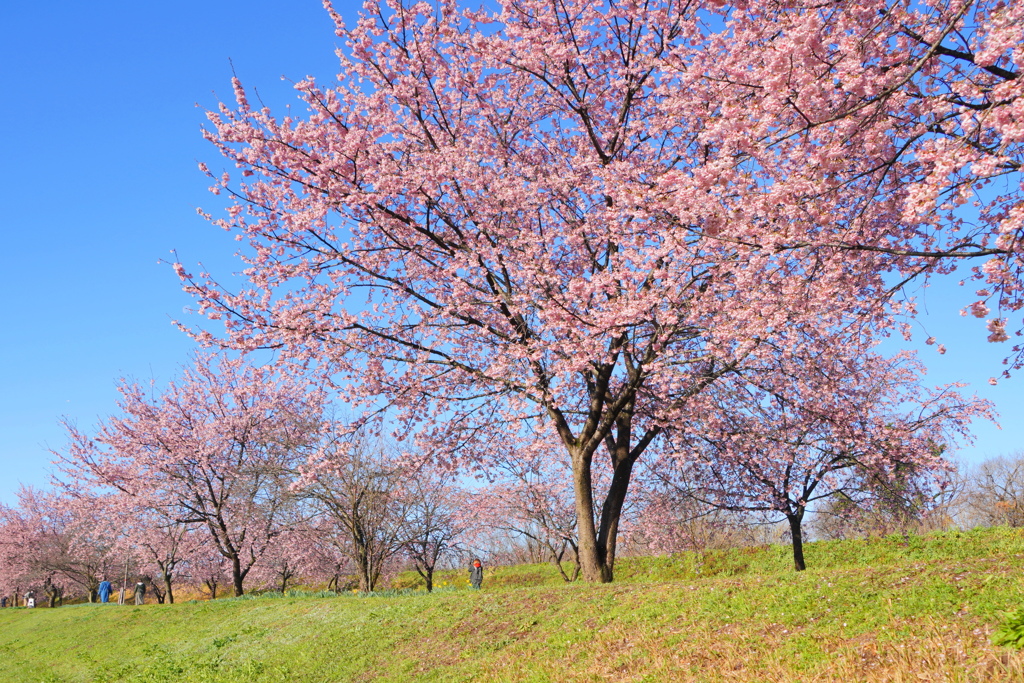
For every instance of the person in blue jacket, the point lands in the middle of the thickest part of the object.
(105, 591)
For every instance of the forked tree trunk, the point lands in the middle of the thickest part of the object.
(286, 576)
(597, 544)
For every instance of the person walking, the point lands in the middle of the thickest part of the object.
(30, 599)
(104, 590)
(476, 574)
(140, 592)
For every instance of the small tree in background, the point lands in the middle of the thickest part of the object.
(777, 442)
(358, 487)
(995, 492)
(672, 520)
(531, 501)
(437, 512)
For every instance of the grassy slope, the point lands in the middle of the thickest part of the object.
(866, 610)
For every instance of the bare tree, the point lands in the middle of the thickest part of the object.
(995, 492)
(434, 522)
(531, 503)
(358, 487)
(893, 509)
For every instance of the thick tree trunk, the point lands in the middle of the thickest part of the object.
(429, 578)
(798, 540)
(592, 555)
(168, 589)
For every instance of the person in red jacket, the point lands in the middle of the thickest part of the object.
(476, 574)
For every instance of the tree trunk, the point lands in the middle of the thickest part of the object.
(236, 576)
(365, 575)
(611, 511)
(798, 540)
(286, 576)
(168, 589)
(592, 556)
(429, 578)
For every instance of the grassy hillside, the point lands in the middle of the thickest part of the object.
(893, 609)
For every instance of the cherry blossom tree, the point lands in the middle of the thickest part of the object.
(16, 541)
(574, 218)
(529, 197)
(777, 442)
(329, 562)
(164, 547)
(293, 557)
(55, 543)
(209, 570)
(217, 449)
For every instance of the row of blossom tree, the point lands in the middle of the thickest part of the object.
(236, 472)
(232, 471)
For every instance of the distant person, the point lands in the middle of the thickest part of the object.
(30, 599)
(105, 589)
(140, 592)
(476, 574)
(3, 602)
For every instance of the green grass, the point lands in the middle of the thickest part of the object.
(882, 609)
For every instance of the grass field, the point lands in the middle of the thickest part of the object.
(893, 609)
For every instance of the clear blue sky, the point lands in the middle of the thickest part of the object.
(99, 182)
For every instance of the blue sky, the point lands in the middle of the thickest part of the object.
(99, 183)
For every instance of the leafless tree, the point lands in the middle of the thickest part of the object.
(995, 492)
(359, 489)
(434, 522)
